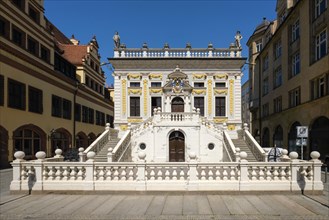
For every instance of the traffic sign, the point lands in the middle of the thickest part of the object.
(302, 131)
(300, 141)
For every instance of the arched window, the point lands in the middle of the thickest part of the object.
(278, 137)
(3, 148)
(319, 138)
(29, 139)
(91, 138)
(81, 140)
(292, 137)
(61, 139)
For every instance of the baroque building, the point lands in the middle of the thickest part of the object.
(52, 92)
(289, 77)
(173, 90)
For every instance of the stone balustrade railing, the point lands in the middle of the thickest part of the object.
(229, 146)
(122, 151)
(177, 53)
(255, 148)
(41, 175)
(141, 126)
(100, 142)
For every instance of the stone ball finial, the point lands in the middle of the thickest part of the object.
(110, 150)
(315, 155)
(243, 155)
(141, 155)
(19, 155)
(40, 155)
(91, 155)
(237, 149)
(58, 152)
(81, 149)
(293, 155)
(192, 155)
(284, 152)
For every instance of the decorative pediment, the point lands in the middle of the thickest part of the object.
(155, 76)
(134, 76)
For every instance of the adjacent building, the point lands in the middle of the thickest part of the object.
(52, 91)
(289, 77)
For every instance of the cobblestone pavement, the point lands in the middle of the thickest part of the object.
(174, 205)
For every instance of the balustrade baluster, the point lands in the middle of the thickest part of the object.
(116, 173)
(217, 174)
(232, 173)
(130, 173)
(123, 174)
(268, 173)
(225, 173)
(80, 173)
(160, 174)
(101, 174)
(182, 173)
(275, 173)
(45, 173)
(253, 172)
(203, 173)
(261, 173)
(66, 173)
(152, 173)
(58, 173)
(167, 173)
(174, 173)
(210, 173)
(73, 174)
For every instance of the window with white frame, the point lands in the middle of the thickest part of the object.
(321, 45)
(277, 49)
(294, 97)
(320, 7)
(277, 104)
(295, 69)
(320, 87)
(295, 31)
(277, 77)
(259, 46)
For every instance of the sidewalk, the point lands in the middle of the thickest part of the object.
(174, 205)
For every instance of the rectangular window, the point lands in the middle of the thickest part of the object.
(85, 114)
(134, 106)
(198, 84)
(220, 85)
(156, 102)
(277, 50)
(295, 31)
(277, 77)
(319, 87)
(98, 118)
(2, 90)
(16, 94)
(265, 111)
(91, 116)
(77, 112)
(199, 103)
(110, 119)
(102, 119)
(155, 84)
(67, 109)
(4, 28)
(320, 7)
(45, 54)
(259, 46)
(266, 62)
(32, 46)
(18, 37)
(277, 104)
(265, 86)
(56, 109)
(34, 14)
(321, 45)
(295, 68)
(19, 3)
(35, 100)
(220, 108)
(294, 97)
(135, 84)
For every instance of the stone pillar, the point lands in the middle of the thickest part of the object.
(294, 171)
(141, 182)
(317, 183)
(193, 180)
(16, 183)
(37, 184)
(89, 166)
(109, 154)
(244, 179)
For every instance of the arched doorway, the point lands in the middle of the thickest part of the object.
(30, 139)
(319, 138)
(81, 140)
(266, 138)
(278, 137)
(61, 139)
(292, 137)
(176, 147)
(4, 163)
(177, 105)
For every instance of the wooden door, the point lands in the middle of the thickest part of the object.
(177, 105)
(176, 147)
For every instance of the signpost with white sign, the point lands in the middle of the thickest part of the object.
(302, 132)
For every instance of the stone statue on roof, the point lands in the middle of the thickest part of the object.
(116, 39)
(238, 38)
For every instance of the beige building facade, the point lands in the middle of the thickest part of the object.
(52, 91)
(289, 77)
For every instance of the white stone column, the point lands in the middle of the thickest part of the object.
(89, 166)
(117, 100)
(16, 183)
(317, 183)
(237, 99)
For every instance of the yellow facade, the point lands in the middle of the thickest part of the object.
(30, 119)
(289, 77)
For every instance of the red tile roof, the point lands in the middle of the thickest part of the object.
(74, 53)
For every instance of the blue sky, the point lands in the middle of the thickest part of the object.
(159, 21)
